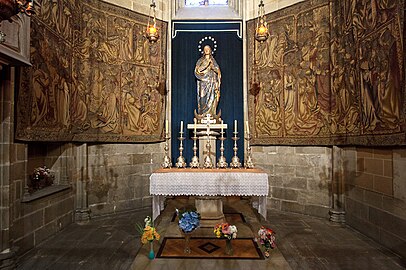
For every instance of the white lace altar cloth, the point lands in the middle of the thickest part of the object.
(212, 182)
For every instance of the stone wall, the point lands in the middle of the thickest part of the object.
(41, 214)
(299, 178)
(251, 6)
(143, 6)
(25, 224)
(375, 195)
(37, 220)
(119, 176)
(6, 166)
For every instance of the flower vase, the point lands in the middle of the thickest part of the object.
(229, 248)
(151, 254)
(266, 253)
(187, 250)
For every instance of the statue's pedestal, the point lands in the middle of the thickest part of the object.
(211, 210)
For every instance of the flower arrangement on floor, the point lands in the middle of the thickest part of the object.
(40, 178)
(148, 235)
(148, 232)
(225, 230)
(189, 220)
(266, 239)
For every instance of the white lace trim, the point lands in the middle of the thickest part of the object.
(209, 184)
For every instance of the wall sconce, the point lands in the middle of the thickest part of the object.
(261, 32)
(152, 31)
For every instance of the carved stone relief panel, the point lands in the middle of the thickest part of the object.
(330, 73)
(95, 77)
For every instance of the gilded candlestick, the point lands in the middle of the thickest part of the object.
(248, 161)
(181, 163)
(195, 159)
(235, 161)
(167, 163)
(222, 163)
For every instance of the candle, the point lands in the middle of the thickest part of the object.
(222, 126)
(248, 127)
(194, 120)
(181, 126)
(166, 126)
(235, 125)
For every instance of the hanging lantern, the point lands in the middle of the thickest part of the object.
(261, 32)
(152, 31)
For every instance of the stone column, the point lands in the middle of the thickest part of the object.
(64, 164)
(82, 211)
(7, 252)
(337, 213)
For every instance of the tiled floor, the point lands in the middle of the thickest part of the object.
(304, 242)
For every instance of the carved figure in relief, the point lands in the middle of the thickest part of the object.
(290, 99)
(389, 81)
(40, 101)
(107, 118)
(62, 103)
(131, 111)
(268, 111)
(369, 118)
(346, 111)
(124, 32)
(141, 49)
(150, 107)
(78, 109)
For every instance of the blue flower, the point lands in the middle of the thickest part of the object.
(189, 221)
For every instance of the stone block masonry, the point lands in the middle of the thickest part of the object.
(299, 178)
(119, 176)
(375, 201)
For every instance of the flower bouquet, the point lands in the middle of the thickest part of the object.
(267, 239)
(40, 178)
(227, 231)
(189, 221)
(148, 235)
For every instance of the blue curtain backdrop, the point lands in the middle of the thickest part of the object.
(229, 56)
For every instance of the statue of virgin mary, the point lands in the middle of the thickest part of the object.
(208, 75)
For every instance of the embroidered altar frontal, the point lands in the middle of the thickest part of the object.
(94, 76)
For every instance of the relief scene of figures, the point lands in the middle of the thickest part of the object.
(97, 78)
(330, 73)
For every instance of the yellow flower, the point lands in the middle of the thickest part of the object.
(157, 236)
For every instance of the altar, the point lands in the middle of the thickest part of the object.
(209, 183)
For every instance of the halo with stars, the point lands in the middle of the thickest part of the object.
(207, 39)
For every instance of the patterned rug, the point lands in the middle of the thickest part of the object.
(209, 248)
